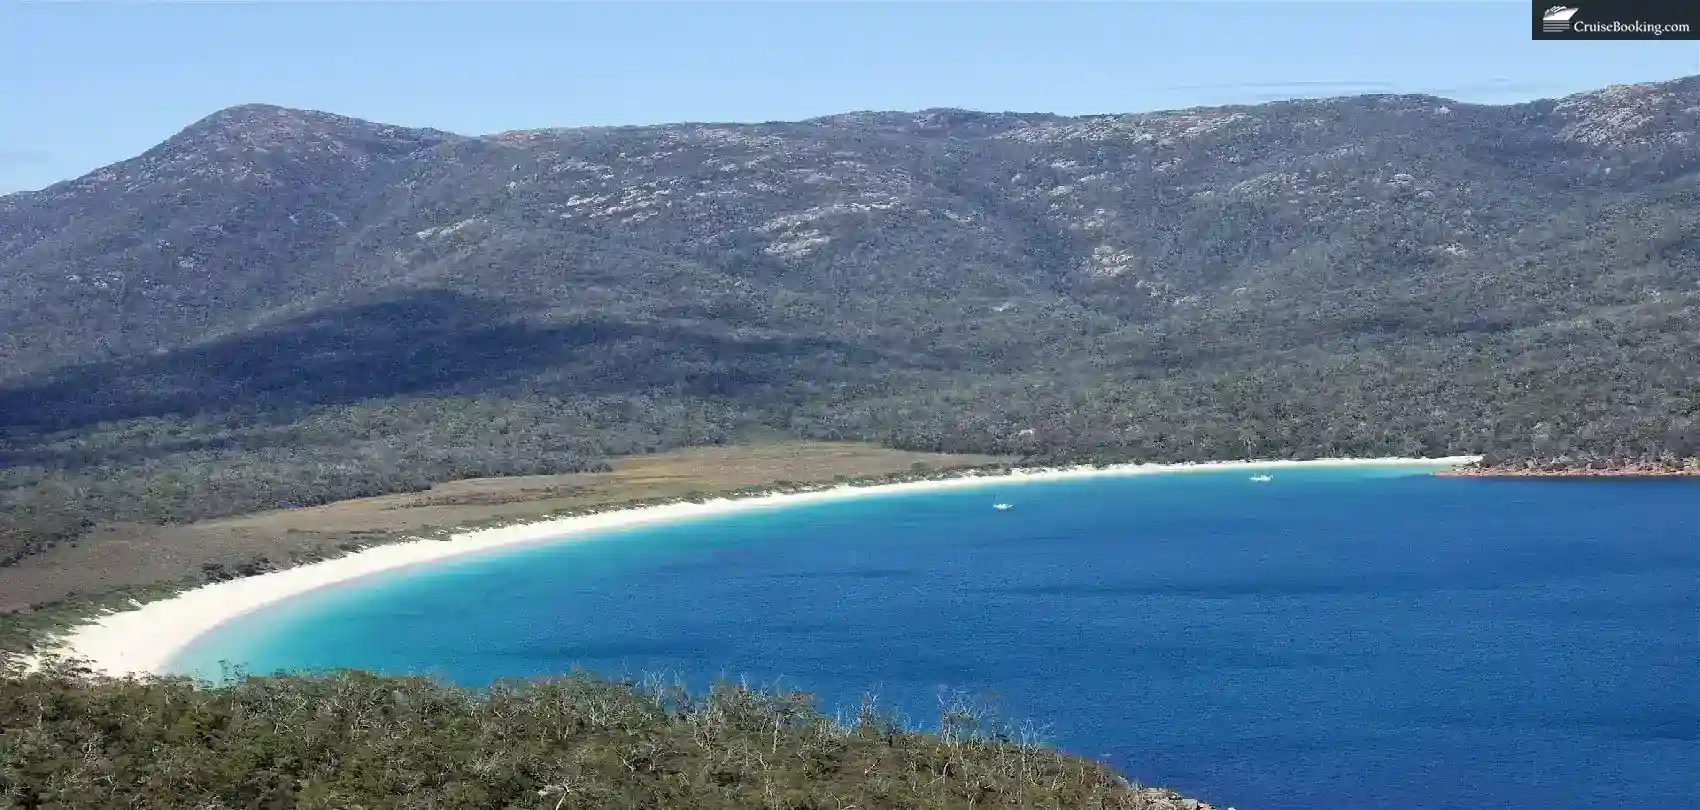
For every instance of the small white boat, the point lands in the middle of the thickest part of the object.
(1261, 478)
(1002, 506)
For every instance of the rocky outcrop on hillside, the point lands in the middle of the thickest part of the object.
(1575, 468)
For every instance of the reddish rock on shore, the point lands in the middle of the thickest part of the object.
(1572, 469)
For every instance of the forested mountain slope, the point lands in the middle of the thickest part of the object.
(291, 306)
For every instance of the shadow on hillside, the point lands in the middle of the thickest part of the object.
(429, 342)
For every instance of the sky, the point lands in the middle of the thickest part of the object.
(83, 85)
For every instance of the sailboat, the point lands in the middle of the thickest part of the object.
(1001, 506)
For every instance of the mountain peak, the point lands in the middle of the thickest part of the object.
(252, 141)
(258, 144)
(268, 126)
(253, 110)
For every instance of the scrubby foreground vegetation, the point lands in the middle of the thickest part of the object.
(72, 740)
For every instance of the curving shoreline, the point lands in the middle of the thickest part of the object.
(147, 639)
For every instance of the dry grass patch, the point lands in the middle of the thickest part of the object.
(117, 561)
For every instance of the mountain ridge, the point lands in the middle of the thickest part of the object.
(250, 109)
(1361, 275)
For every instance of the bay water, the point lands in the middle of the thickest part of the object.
(1370, 637)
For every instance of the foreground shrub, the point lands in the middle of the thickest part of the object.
(70, 739)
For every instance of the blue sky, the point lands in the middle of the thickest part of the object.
(86, 84)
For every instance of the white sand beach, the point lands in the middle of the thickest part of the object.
(146, 640)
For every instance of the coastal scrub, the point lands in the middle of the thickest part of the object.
(70, 738)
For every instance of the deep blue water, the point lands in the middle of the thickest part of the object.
(1334, 638)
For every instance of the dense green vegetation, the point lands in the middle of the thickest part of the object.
(1637, 402)
(175, 469)
(350, 309)
(70, 740)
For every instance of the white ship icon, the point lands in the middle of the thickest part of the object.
(1557, 18)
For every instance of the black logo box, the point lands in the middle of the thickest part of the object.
(1650, 20)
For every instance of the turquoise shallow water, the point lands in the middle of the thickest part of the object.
(1333, 638)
